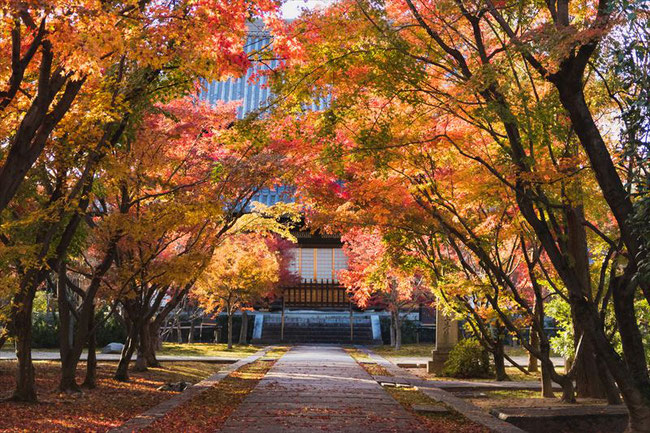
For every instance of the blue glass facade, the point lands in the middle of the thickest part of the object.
(252, 95)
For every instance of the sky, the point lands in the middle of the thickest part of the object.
(292, 8)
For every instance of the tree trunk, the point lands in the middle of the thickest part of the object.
(229, 330)
(398, 331)
(243, 331)
(499, 361)
(547, 383)
(587, 376)
(392, 330)
(152, 345)
(141, 360)
(190, 336)
(22, 322)
(631, 340)
(611, 391)
(179, 331)
(122, 371)
(568, 391)
(90, 381)
(67, 381)
(569, 85)
(533, 365)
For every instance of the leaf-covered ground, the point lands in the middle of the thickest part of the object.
(435, 422)
(408, 397)
(209, 410)
(109, 405)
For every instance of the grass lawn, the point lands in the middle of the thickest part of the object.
(406, 351)
(208, 349)
(98, 410)
(424, 350)
(184, 349)
(514, 373)
(509, 398)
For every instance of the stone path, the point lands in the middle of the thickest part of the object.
(319, 388)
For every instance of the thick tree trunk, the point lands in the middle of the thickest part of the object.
(631, 340)
(587, 377)
(611, 391)
(140, 360)
(499, 361)
(568, 391)
(243, 330)
(587, 374)
(22, 321)
(392, 330)
(67, 381)
(146, 348)
(569, 84)
(122, 371)
(229, 330)
(547, 383)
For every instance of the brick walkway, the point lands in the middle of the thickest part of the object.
(319, 388)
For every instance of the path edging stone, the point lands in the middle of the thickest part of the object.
(147, 418)
(468, 410)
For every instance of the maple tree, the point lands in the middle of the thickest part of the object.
(54, 49)
(498, 96)
(242, 269)
(79, 79)
(373, 278)
(163, 180)
(165, 215)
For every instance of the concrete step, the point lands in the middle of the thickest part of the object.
(309, 327)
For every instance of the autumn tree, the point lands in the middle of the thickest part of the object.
(123, 63)
(241, 270)
(491, 92)
(373, 278)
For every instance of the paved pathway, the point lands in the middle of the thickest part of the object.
(319, 388)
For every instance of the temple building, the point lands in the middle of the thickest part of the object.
(317, 307)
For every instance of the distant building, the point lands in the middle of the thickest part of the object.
(317, 258)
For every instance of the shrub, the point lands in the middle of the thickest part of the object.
(45, 331)
(109, 331)
(468, 359)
